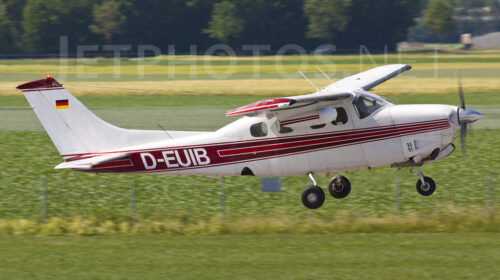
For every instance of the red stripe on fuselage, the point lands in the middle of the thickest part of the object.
(330, 134)
(281, 146)
(301, 151)
(262, 141)
(231, 153)
(313, 117)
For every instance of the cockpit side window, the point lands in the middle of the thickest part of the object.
(258, 129)
(365, 105)
(341, 116)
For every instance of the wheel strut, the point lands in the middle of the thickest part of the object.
(310, 174)
(420, 174)
(425, 185)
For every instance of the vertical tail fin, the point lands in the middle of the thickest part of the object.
(73, 128)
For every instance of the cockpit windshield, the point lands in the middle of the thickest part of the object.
(365, 105)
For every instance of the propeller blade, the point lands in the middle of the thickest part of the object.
(465, 116)
(463, 135)
(460, 91)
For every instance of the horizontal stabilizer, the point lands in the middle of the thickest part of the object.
(91, 162)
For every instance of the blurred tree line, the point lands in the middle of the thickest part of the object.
(445, 20)
(34, 26)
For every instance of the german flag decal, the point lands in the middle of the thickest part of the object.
(62, 104)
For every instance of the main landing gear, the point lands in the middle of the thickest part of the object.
(425, 185)
(339, 187)
(313, 196)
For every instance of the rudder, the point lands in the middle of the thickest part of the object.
(73, 128)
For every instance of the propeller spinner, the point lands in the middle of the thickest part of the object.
(465, 116)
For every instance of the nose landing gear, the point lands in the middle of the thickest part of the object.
(425, 185)
(313, 196)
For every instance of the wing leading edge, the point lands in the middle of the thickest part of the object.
(371, 78)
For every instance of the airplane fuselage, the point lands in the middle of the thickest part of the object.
(391, 135)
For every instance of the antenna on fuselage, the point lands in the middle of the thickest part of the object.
(302, 74)
(165, 132)
(324, 74)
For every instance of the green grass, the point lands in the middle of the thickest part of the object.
(163, 75)
(240, 100)
(27, 157)
(479, 73)
(186, 60)
(327, 256)
(202, 113)
(202, 118)
(150, 100)
(198, 103)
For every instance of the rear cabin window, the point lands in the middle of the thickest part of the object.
(318, 126)
(341, 116)
(283, 129)
(258, 129)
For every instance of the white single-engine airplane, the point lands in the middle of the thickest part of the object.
(340, 127)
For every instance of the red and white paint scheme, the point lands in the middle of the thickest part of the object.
(340, 127)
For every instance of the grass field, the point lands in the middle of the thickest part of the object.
(184, 93)
(188, 227)
(107, 196)
(276, 76)
(327, 256)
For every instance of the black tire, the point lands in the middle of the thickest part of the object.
(429, 187)
(313, 197)
(339, 191)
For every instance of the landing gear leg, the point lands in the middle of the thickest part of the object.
(339, 187)
(425, 185)
(313, 196)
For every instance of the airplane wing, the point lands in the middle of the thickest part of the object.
(369, 79)
(286, 107)
(107, 160)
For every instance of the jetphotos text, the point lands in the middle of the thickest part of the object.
(175, 158)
